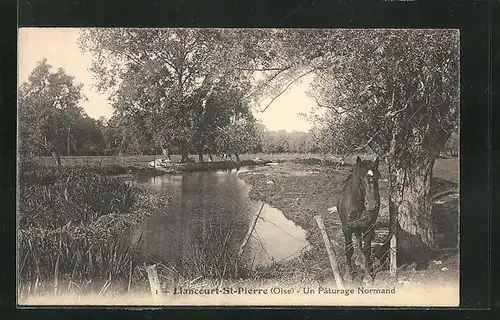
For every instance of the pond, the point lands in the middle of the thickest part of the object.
(205, 224)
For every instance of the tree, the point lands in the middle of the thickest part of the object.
(48, 112)
(225, 105)
(89, 136)
(401, 99)
(129, 133)
(167, 74)
(237, 138)
(394, 91)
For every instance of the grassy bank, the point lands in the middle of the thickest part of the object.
(71, 222)
(304, 188)
(72, 219)
(139, 165)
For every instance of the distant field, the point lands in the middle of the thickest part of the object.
(447, 169)
(137, 160)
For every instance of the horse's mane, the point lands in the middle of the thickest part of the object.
(349, 180)
(346, 180)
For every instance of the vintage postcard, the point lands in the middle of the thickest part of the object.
(238, 167)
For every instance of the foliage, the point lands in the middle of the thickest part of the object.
(394, 84)
(237, 138)
(394, 91)
(283, 141)
(51, 120)
(165, 78)
(32, 173)
(74, 200)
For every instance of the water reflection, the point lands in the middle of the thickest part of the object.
(204, 226)
(276, 238)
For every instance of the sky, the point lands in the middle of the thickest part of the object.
(60, 47)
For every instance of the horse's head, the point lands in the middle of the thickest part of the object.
(368, 174)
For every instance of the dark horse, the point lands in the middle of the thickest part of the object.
(358, 209)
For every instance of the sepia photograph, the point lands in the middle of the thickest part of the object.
(238, 167)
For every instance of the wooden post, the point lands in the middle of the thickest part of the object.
(129, 276)
(392, 256)
(35, 289)
(331, 253)
(56, 268)
(250, 230)
(56, 275)
(154, 282)
(393, 219)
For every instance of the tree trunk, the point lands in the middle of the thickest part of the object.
(237, 157)
(200, 157)
(67, 142)
(166, 152)
(57, 157)
(184, 152)
(410, 205)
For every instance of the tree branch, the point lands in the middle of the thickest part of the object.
(352, 151)
(266, 69)
(331, 107)
(287, 86)
(128, 55)
(267, 81)
(367, 144)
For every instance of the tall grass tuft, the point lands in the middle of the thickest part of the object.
(76, 199)
(34, 173)
(212, 254)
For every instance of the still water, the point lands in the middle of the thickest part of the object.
(209, 217)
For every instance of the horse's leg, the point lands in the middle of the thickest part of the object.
(359, 252)
(367, 251)
(349, 250)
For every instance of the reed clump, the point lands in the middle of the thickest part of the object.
(71, 224)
